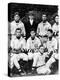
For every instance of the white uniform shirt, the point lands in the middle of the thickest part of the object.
(18, 43)
(41, 59)
(43, 27)
(33, 44)
(52, 45)
(55, 27)
(15, 25)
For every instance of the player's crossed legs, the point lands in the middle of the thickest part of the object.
(17, 57)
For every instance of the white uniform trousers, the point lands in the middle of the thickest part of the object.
(15, 58)
(33, 56)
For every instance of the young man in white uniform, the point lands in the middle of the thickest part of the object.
(41, 64)
(17, 23)
(18, 45)
(33, 44)
(43, 26)
(55, 29)
(52, 48)
(51, 45)
(55, 26)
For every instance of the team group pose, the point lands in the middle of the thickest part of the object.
(34, 45)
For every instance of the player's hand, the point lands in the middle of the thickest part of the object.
(13, 51)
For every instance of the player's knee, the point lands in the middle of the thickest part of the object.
(25, 58)
(52, 60)
(39, 71)
(30, 56)
(57, 56)
(36, 56)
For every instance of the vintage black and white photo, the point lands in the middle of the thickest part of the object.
(33, 39)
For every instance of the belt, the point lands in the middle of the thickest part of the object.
(40, 66)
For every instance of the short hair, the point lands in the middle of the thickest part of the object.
(44, 13)
(16, 13)
(32, 29)
(50, 30)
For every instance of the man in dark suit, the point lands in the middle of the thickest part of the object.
(31, 23)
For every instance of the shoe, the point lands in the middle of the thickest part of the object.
(11, 74)
(19, 70)
(33, 70)
(23, 73)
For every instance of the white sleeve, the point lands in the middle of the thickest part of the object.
(38, 29)
(55, 44)
(12, 44)
(12, 28)
(39, 43)
(23, 30)
(28, 44)
(24, 44)
(53, 28)
(49, 26)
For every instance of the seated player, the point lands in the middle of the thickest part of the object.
(45, 39)
(51, 43)
(33, 44)
(18, 45)
(52, 48)
(41, 64)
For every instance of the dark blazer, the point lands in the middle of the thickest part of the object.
(28, 27)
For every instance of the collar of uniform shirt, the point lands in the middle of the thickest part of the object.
(44, 23)
(19, 39)
(34, 39)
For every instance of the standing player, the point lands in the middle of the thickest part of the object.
(55, 29)
(43, 26)
(18, 45)
(17, 23)
(33, 44)
(55, 26)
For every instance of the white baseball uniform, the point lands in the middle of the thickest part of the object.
(41, 64)
(51, 45)
(15, 25)
(55, 27)
(43, 27)
(17, 44)
(32, 45)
